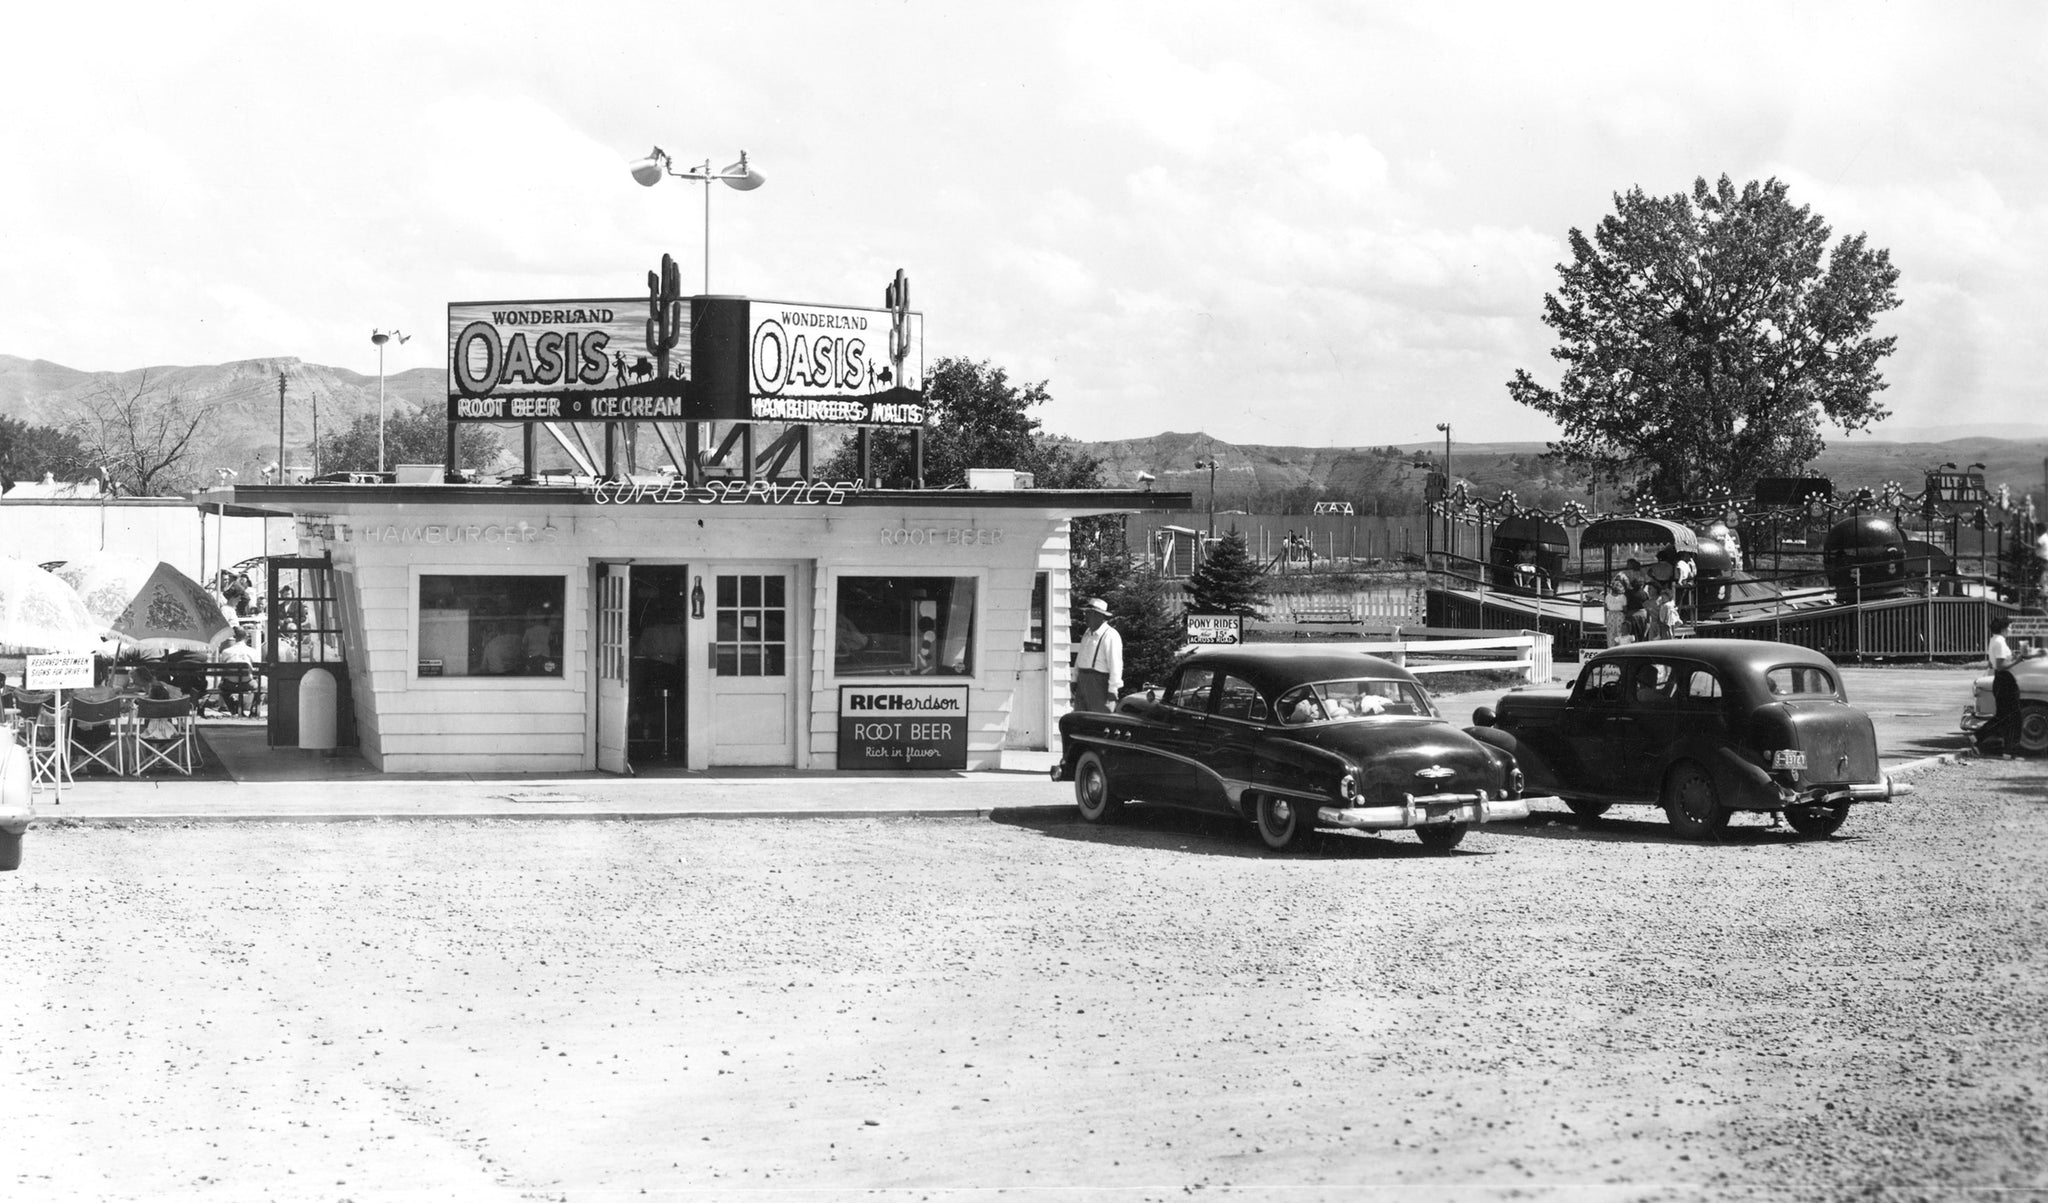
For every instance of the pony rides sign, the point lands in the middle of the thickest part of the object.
(695, 359)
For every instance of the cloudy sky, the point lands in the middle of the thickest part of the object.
(1325, 223)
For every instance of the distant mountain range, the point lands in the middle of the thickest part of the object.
(1247, 476)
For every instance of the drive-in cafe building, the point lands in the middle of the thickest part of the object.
(639, 614)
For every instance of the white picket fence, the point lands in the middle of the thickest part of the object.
(1423, 650)
(1530, 649)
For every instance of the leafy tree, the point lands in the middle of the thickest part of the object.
(410, 437)
(1706, 337)
(28, 451)
(980, 420)
(1228, 582)
(145, 441)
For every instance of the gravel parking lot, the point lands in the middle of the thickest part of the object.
(947, 1008)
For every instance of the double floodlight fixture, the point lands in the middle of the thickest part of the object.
(650, 170)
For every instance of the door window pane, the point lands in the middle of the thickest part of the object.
(750, 626)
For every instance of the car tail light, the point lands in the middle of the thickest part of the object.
(1515, 783)
(1788, 758)
(1348, 787)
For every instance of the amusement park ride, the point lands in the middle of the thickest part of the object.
(1871, 574)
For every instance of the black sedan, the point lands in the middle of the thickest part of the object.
(1291, 739)
(1702, 728)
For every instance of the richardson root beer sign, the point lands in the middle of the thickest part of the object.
(903, 726)
(708, 359)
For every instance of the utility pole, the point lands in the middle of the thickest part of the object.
(280, 426)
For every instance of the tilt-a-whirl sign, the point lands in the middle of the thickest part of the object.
(687, 359)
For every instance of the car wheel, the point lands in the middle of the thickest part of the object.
(1093, 794)
(2033, 729)
(1691, 802)
(1442, 837)
(1818, 818)
(1587, 810)
(1283, 823)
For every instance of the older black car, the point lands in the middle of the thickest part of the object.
(1291, 739)
(1702, 728)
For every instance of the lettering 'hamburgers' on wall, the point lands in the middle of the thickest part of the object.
(738, 360)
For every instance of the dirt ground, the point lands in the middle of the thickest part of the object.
(1033, 1009)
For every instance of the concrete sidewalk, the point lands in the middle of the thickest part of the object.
(1916, 712)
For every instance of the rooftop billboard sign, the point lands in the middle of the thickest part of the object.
(710, 359)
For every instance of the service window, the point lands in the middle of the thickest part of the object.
(903, 626)
(491, 626)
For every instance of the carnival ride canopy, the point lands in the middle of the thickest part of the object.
(1529, 532)
(1641, 532)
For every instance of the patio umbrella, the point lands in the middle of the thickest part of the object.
(41, 614)
(147, 603)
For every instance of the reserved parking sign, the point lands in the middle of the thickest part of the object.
(58, 672)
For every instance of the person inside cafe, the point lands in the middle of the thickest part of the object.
(539, 643)
(1098, 661)
(237, 674)
(505, 652)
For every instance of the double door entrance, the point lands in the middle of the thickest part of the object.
(696, 665)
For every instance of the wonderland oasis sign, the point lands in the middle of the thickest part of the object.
(731, 359)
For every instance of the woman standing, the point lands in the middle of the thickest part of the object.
(1616, 603)
(2004, 728)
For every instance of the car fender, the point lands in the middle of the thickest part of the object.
(1289, 768)
(1741, 780)
(1537, 775)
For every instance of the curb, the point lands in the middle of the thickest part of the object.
(1925, 762)
(46, 822)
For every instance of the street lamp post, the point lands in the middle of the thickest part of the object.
(1210, 463)
(380, 337)
(739, 176)
(1449, 547)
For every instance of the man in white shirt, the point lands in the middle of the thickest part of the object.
(1099, 661)
(238, 680)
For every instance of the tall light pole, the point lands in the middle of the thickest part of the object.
(1449, 547)
(650, 170)
(380, 337)
(1209, 462)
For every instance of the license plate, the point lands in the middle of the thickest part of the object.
(1790, 759)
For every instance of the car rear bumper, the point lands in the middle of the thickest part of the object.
(1874, 791)
(1427, 811)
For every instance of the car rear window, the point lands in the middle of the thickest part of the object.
(1340, 701)
(1800, 680)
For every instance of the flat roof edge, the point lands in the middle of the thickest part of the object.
(289, 498)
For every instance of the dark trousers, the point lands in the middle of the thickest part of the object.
(1091, 690)
(2005, 700)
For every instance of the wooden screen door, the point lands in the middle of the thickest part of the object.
(752, 683)
(614, 662)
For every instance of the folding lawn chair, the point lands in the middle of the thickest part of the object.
(93, 732)
(162, 732)
(49, 759)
